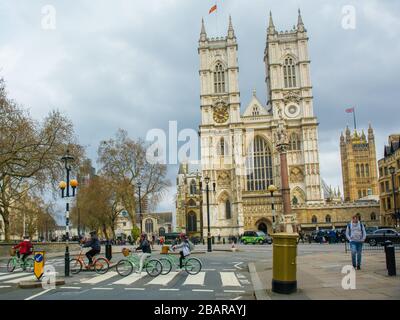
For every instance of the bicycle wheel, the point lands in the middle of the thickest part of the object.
(75, 266)
(29, 264)
(166, 265)
(193, 266)
(101, 265)
(11, 265)
(153, 267)
(124, 267)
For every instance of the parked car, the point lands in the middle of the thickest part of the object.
(370, 230)
(255, 237)
(378, 237)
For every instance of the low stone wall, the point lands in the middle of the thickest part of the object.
(48, 247)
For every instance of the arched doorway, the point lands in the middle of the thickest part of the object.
(262, 226)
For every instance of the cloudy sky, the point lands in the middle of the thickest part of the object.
(134, 64)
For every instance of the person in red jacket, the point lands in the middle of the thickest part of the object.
(25, 248)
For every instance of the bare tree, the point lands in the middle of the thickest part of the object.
(123, 160)
(30, 153)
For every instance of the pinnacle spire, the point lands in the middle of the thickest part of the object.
(300, 24)
(271, 26)
(231, 32)
(203, 34)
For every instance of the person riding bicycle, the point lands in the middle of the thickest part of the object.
(146, 249)
(93, 243)
(25, 248)
(185, 246)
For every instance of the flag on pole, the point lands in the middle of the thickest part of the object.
(353, 111)
(350, 110)
(213, 8)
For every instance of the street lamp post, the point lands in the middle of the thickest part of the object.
(64, 186)
(272, 189)
(139, 184)
(392, 171)
(207, 190)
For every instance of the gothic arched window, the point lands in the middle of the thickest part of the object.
(193, 187)
(192, 203)
(328, 218)
(367, 170)
(358, 170)
(362, 170)
(161, 232)
(289, 73)
(148, 226)
(294, 142)
(228, 213)
(191, 222)
(256, 111)
(314, 219)
(373, 216)
(259, 165)
(219, 79)
(221, 147)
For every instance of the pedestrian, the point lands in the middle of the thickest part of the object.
(356, 234)
(146, 249)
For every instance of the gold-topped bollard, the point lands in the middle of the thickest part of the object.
(284, 278)
(164, 249)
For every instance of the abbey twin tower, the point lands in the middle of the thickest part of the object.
(238, 150)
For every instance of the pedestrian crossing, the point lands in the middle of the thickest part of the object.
(171, 281)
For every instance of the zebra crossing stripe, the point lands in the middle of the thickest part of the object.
(30, 277)
(229, 279)
(130, 279)
(197, 279)
(100, 278)
(13, 275)
(163, 279)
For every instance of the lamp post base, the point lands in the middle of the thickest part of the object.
(209, 248)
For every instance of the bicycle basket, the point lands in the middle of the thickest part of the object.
(12, 252)
(126, 252)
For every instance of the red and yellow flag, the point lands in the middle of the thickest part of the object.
(213, 8)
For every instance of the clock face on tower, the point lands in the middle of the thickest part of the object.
(220, 113)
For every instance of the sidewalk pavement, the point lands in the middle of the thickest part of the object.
(319, 277)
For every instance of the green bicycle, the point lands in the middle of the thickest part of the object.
(15, 262)
(131, 264)
(190, 265)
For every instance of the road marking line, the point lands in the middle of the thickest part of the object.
(169, 289)
(102, 288)
(130, 279)
(135, 289)
(101, 278)
(163, 279)
(77, 288)
(209, 269)
(203, 290)
(197, 279)
(235, 291)
(229, 279)
(237, 265)
(31, 277)
(5, 287)
(229, 269)
(37, 295)
(14, 275)
(237, 298)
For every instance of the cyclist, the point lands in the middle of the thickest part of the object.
(93, 243)
(146, 249)
(185, 246)
(25, 248)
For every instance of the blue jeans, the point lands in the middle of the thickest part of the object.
(356, 249)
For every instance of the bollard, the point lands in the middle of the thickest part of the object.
(204, 242)
(223, 240)
(284, 263)
(108, 251)
(213, 240)
(390, 258)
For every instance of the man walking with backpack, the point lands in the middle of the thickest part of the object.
(355, 234)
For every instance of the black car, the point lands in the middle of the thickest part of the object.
(378, 237)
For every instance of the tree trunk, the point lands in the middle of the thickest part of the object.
(6, 219)
(105, 232)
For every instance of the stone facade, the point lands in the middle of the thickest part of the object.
(358, 157)
(238, 151)
(391, 159)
